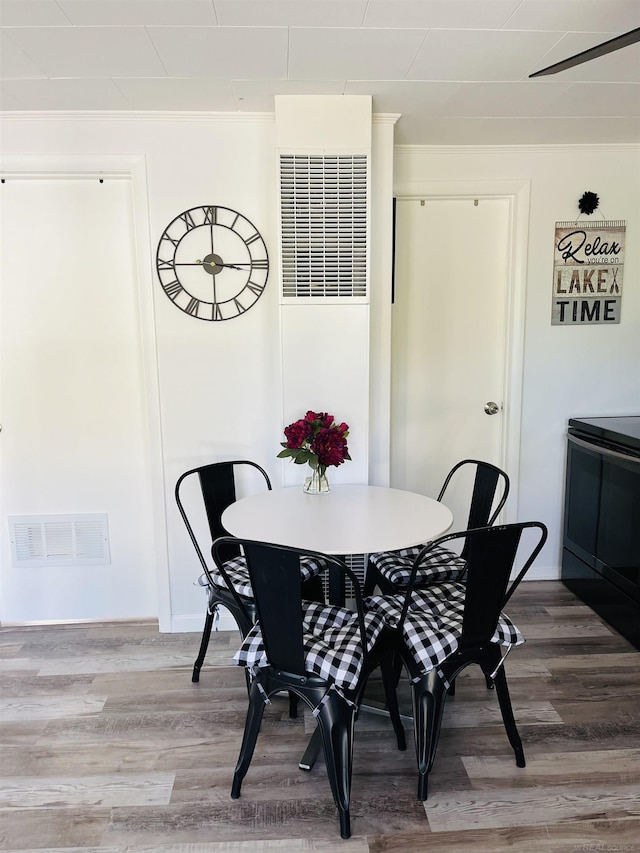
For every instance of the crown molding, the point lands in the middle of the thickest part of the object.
(520, 149)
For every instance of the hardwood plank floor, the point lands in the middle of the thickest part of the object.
(106, 746)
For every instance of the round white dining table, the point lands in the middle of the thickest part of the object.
(350, 519)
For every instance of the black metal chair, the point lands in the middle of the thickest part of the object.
(322, 653)
(443, 628)
(217, 487)
(390, 570)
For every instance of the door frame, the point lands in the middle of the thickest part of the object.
(517, 194)
(132, 167)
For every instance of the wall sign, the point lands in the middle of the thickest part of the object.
(588, 262)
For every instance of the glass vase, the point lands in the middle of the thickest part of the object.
(316, 484)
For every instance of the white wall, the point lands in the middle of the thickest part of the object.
(219, 387)
(568, 371)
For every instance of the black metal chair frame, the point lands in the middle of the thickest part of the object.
(278, 596)
(491, 554)
(218, 487)
(485, 485)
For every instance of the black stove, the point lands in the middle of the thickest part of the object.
(623, 431)
(601, 538)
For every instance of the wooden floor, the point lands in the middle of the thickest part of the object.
(107, 747)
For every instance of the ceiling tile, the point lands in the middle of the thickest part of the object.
(503, 99)
(479, 55)
(521, 131)
(13, 61)
(177, 93)
(258, 95)
(329, 54)
(291, 13)
(233, 52)
(96, 94)
(600, 16)
(31, 13)
(427, 130)
(404, 96)
(139, 12)
(9, 101)
(445, 14)
(598, 99)
(613, 130)
(90, 51)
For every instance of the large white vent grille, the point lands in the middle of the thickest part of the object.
(357, 564)
(324, 226)
(59, 540)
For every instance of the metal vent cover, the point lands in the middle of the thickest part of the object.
(324, 220)
(358, 564)
(59, 540)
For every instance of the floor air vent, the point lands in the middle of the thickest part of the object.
(324, 225)
(59, 540)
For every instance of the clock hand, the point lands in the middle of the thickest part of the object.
(212, 264)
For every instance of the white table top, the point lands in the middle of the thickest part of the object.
(347, 520)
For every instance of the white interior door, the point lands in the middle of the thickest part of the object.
(74, 438)
(448, 338)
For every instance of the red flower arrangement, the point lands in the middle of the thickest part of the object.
(316, 439)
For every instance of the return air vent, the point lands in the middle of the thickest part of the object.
(59, 540)
(324, 226)
(357, 564)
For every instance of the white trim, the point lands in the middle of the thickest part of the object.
(192, 623)
(518, 149)
(543, 573)
(517, 193)
(116, 165)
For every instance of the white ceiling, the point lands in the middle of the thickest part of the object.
(456, 70)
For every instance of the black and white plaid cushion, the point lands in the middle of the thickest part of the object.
(331, 642)
(433, 625)
(440, 564)
(239, 574)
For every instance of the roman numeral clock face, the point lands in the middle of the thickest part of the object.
(212, 263)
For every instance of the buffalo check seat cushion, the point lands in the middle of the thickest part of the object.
(331, 641)
(439, 564)
(433, 624)
(239, 574)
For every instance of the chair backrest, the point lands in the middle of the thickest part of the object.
(276, 581)
(492, 553)
(217, 482)
(489, 494)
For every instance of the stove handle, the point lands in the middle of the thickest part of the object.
(603, 451)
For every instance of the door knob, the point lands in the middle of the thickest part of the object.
(491, 408)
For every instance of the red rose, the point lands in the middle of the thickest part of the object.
(297, 433)
(330, 446)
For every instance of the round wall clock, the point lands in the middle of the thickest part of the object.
(212, 263)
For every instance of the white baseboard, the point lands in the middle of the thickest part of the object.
(194, 623)
(543, 573)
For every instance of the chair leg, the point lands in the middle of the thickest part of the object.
(389, 681)
(428, 695)
(502, 691)
(336, 720)
(249, 738)
(293, 705)
(204, 643)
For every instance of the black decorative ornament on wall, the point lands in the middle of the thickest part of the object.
(588, 202)
(212, 263)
